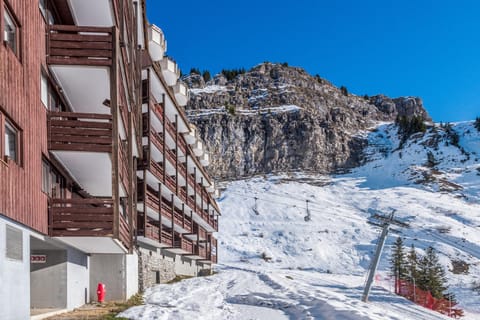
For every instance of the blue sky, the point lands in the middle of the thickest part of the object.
(420, 48)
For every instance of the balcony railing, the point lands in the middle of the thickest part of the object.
(166, 210)
(170, 183)
(81, 217)
(156, 169)
(156, 139)
(69, 131)
(183, 195)
(123, 164)
(157, 109)
(182, 144)
(74, 45)
(170, 128)
(170, 156)
(200, 231)
(201, 251)
(150, 197)
(183, 244)
(152, 231)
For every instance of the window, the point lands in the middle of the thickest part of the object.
(53, 183)
(14, 243)
(44, 6)
(44, 88)
(10, 31)
(45, 177)
(11, 142)
(50, 98)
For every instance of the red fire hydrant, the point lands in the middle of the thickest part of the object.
(101, 292)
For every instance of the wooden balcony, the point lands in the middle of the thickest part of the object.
(182, 145)
(151, 230)
(123, 165)
(183, 244)
(166, 210)
(170, 183)
(86, 217)
(170, 156)
(190, 202)
(191, 182)
(202, 234)
(157, 109)
(69, 131)
(150, 197)
(157, 140)
(182, 221)
(170, 128)
(201, 251)
(156, 169)
(213, 258)
(183, 194)
(74, 45)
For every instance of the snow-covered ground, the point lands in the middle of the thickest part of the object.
(280, 261)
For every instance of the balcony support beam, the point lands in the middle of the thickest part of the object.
(164, 139)
(172, 199)
(176, 154)
(115, 131)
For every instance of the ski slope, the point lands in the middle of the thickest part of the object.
(277, 264)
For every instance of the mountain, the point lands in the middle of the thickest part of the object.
(276, 118)
(279, 260)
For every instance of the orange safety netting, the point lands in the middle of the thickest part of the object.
(425, 299)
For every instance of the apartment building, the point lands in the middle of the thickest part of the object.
(102, 178)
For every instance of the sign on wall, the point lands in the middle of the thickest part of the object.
(38, 258)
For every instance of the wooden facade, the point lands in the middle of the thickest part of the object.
(21, 196)
(161, 198)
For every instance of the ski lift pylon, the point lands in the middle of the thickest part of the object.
(308, 217)
(255, 209)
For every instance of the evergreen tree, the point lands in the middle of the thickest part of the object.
(431, 161)
(412, 262)
(477, 123)
(431, 275)
(344, 90)
(194, 71)
(398, 263)
(409, 126)
(206, 75)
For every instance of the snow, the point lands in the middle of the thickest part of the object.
(254, 111)
(209, 89)
(278, 265)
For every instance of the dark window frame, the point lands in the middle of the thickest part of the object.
(54, 184)
(5, 121)
(10, 126)
(6, 8)
(56, 101)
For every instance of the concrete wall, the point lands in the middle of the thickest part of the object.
(131, 264)
(48, 286)
(15, 278)
(62, 282)
(78, 284)
(110, 270)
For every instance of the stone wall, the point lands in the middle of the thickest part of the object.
(153, 268)
(160, 266)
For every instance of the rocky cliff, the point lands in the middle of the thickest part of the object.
(276, 118)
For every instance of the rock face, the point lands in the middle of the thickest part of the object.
(277, 118)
